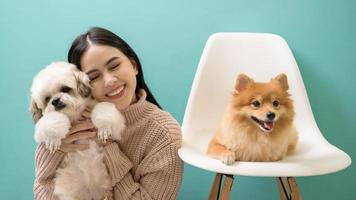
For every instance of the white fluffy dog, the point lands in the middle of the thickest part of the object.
(59, 94)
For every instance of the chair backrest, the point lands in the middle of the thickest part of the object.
(262, 57)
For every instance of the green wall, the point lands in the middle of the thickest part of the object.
(169, 37)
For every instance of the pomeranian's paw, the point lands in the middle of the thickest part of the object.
(51, 129)
(227, 157)
(108, 120)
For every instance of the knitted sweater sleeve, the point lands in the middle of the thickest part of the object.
(158, 176)
(46, 164)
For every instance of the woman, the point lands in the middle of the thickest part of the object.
(145, 163)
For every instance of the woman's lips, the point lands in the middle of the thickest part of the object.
(117, 93)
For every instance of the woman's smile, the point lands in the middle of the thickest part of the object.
(117, 93)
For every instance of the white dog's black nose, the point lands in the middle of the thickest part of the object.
(58, 104)
(55, 101)
(271, 115)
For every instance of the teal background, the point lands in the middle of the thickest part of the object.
(169, 37)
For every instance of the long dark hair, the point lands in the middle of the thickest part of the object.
(102, 36)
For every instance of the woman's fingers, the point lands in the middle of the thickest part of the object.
(79, 136)
(100, 143)
(81, 126)
(86, 113)
(74, 147)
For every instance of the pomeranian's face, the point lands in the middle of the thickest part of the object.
(264, 106)
(59, 87)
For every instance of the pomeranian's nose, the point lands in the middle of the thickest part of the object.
(271, 115)
(58, 104)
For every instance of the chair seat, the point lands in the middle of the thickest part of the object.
(314, 156)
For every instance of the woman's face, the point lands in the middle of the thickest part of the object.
(112, 75)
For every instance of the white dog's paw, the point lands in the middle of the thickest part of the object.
(118, 125)
(227, 157)
(104, 133)
(53, 143)
(51, 129)
(108, 120)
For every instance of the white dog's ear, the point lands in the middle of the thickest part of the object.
(36, 112)
(83, 86)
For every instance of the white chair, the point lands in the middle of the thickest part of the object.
(261, 56)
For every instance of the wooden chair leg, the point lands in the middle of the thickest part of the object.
(283, 193)
(229, 179)
(288, 189)
(215, 188)
(294, 191)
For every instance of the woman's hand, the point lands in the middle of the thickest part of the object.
(80, 130)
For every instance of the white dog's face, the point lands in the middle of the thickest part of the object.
(60, 87)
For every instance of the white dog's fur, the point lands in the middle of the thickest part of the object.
(82, 174)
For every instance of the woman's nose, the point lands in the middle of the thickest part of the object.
(109, 80)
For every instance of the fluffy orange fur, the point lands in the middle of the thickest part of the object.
(257, 124)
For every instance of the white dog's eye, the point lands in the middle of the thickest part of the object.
(66, 89)
(47, 99)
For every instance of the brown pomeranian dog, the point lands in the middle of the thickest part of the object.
(257, 124)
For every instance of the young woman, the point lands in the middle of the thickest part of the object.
(145, 163)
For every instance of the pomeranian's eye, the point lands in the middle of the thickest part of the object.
(66, 89)
(47, 99)
(276, 103)
(255, 104)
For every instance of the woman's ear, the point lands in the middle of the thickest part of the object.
(134, 64)
(36, 112)
(83, 85)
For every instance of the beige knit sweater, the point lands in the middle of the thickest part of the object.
(143, 165)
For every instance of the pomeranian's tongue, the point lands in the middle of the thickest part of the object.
(268, 125)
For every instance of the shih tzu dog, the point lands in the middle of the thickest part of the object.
(59, 94)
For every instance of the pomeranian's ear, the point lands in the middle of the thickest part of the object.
(243, 82)
(282, 80)
(83, 86)
(36, 112)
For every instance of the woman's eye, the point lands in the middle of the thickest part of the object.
(66, 89)
(114, 66)
(276, 104)
(93, 78)
(256, 104)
